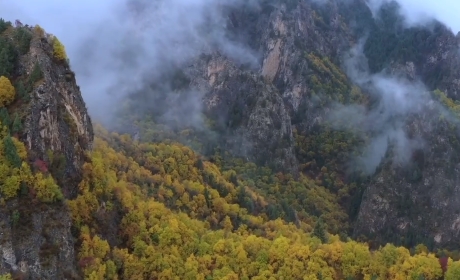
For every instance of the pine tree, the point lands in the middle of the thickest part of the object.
(199, 164)
(34, 77)
(4, 25)
(207, 197)
(23, 37)
(11, 153)
(8, 57)
(320, 230)
(21, 91)
(4, 117)
(234, 179)
(37, 73)
(16, 127)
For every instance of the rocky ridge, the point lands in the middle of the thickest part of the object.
(35, 238)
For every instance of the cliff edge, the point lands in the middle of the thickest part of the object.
(44, 116)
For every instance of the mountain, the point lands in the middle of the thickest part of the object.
(296, 142)
(323, 64)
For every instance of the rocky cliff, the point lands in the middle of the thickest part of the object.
(260, 104)
(280, 109)
(416, 202)
(303, 46)
(35, 228)
(56, 116)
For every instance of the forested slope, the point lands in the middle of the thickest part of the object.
(216, 170)
(148, 211)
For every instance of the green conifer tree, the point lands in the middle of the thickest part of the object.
(320, 230)
(16, 127)
(11, 153)
(4, 117)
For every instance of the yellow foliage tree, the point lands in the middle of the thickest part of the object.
(453, 271)
(59, 49)
(215, 237)
(39, 30)
(7, 91)
(20, 148)
(11, 186)
(46, 188)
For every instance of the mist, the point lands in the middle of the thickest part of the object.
(422, 12)
(118, 47)
(394, 100)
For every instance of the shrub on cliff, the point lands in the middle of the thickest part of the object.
(59, 50)
(39, 31)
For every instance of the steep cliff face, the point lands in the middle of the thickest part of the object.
(416, 201)
(261, 105)
(56, 117)
(37, 243)
(427, 53)
(302, 44)
(249, 109)
(438, 66)
(35, 232)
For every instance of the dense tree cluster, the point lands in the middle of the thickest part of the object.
(238, 182)
(174, 224)
(15, 173)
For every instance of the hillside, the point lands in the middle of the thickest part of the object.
(339, 96)
(333, 156)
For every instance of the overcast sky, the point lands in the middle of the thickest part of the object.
(67, 19)
(117, 47)
(71, 19)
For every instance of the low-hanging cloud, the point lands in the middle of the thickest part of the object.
(422, 12)
(117, 47)
(395, 100)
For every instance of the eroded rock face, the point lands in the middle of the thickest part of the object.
(250, 107)
(57, 119)
(35, 239)
(37, 243)
(438, 65)
(417, 201)
(258, 104)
